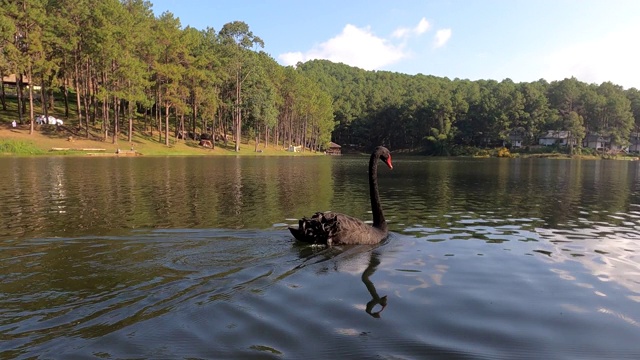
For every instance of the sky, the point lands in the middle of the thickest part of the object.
(523, 40)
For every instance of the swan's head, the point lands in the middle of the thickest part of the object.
(385, 155)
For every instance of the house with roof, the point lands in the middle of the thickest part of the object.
(634, 142)
(606, 143)
(557, 137)
(595, 141)
(515, 139)
(333, 149)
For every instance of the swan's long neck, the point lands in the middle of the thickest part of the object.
(376, 210)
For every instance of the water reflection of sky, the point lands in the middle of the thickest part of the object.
(609, 252)
(530, 253)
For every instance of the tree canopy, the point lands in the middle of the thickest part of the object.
(127, 70)
(132, 71)
(438, 114)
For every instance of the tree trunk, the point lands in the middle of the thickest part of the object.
(76, 83)
(146, 119)
(43, 99)
(3, 96)
(304, 134)
(85, 101)
(277, 134)
(290, 130)
(194, 113)
(50, 98)
(30, 75)
(238, 113)
(105, 118)
(159, 116)
(93, 88)
(24, 101)
(166, 124)
(65, 92)
(213, 129)
(224, 129)
(116, 120)
(131, 109)
(257, 141)
(182, 127)
(20, 98)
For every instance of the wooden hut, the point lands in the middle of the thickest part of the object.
(334, 149)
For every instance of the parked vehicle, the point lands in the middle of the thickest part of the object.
(41, 119)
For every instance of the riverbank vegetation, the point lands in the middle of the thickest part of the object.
(456, 117)
(114, 71)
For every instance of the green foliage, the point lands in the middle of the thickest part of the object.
(442, 116)
(126, 65)
(17, 147)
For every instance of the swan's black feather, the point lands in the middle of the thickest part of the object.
(330, 228)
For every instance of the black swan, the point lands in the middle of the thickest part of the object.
(332, 228)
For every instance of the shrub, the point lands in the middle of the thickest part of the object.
(504, 152)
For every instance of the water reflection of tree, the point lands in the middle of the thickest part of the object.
(105, 195)
(440, 192)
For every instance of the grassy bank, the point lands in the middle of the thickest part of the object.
(18, 142)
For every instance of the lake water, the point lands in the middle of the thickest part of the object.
(189, 258)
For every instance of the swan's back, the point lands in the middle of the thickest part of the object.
(332, 228)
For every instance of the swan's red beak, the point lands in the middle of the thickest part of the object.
(388, 162)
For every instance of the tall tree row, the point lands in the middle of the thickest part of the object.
(129, 71)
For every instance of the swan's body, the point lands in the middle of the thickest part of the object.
(333, 228)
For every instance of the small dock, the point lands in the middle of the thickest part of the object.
(98, 151)
(117, 153)
(77, 149)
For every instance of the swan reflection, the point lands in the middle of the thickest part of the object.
(374, 261)
(347, 259)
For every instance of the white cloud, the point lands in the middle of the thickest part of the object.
(422, 27)
(292, 58)
(611, 57)
(442, 37)
(354, 46)
(403, 32)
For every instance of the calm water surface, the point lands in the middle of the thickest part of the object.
(189, 258)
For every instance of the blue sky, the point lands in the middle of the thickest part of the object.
(524, 40)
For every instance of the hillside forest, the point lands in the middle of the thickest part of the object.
(115, 67)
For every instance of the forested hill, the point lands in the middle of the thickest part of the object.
(403, 111)
(114, 68)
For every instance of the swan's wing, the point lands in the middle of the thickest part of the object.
(351, 230)
(319, 229)
(332, 228)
